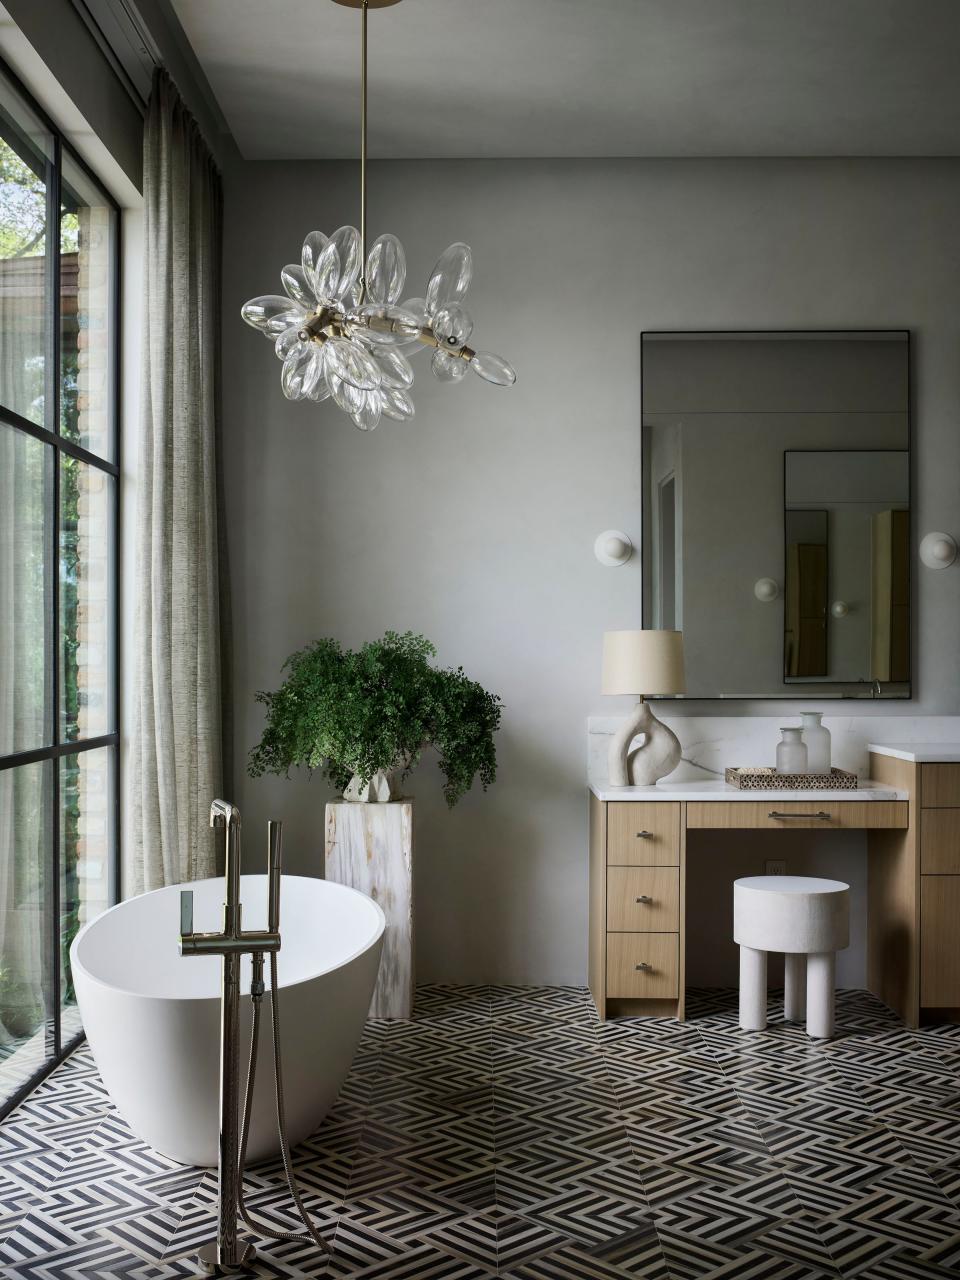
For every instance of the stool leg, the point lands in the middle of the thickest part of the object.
(753, 989)
(821, 971)
(794, 986)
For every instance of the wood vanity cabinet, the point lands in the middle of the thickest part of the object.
(636, 907)
(914, 894)
(939, 836)
(638, 861)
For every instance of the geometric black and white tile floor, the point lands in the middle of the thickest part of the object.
(505, 1131)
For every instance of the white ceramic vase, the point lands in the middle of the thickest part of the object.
(379, 789)
(817, 739)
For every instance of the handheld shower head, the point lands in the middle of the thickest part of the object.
(274, 860)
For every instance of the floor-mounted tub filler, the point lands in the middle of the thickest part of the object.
(160, 1024)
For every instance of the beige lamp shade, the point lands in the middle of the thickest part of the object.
(643, 662)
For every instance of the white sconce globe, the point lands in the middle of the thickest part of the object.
(613, 548)
(839, 609)
(938, 550)
(766, 590)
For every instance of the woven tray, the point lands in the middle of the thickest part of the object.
(760, 778)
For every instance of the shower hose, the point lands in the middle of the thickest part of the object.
(256, 992)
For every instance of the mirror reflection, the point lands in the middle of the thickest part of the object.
(776, 523)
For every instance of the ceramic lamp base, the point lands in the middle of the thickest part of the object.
(642, 766)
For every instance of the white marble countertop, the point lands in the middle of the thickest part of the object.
(919, 752)
(709, 790)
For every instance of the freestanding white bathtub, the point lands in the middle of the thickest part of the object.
(152, 1016)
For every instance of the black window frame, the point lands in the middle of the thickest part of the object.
(59, 746)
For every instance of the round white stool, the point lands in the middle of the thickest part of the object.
(806, 919)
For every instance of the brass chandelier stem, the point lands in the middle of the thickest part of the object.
(363, 149)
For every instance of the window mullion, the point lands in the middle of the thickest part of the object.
(52, 418)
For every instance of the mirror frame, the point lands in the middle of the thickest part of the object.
(822, 694)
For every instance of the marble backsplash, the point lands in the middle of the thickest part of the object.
(714, 743)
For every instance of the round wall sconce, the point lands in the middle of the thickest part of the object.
(839, 609)
(613, 547)
(938, 550)
(766, 590)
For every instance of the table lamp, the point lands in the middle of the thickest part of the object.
(643, 663)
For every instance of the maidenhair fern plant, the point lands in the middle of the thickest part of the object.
(353, 715)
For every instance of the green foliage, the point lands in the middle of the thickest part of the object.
(346, 712)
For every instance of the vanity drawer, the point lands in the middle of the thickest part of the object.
(659, 889)
(797, 815)
(643, 966)
(643, 834)
(940, 841)
(939, 785)
(939, 953)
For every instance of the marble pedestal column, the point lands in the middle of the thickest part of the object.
(370, 847)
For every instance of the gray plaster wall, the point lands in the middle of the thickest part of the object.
(475, 522)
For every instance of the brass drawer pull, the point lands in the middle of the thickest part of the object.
(642, 966)
(824, 817)
(644, 897)
(644, 835)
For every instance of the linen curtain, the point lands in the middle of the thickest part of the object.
(176, 757)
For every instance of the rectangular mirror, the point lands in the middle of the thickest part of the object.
(776, 510)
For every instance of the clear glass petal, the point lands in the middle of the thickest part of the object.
(347, 241)
(298, 287)
(417, 308)
(452, 325)
(349, 398)
(386, 269)
(351, 363)
(389, 326)
(450, 277)
(288, 320)
(368, 414)
(396, 404)
(351, 298)
(327, 272)
(262, 312)
(321, 391)
(312, 370)
(493, 368)
(447, 368)
(395, 368)
(288, 341)
(313, 246)
(294, 368)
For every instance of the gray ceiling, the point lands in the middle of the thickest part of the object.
(586, 77)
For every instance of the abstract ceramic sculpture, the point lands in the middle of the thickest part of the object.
(657, 756)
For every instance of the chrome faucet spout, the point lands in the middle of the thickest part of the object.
(226, 816)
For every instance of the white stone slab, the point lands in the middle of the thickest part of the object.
(711, 744)
(668, 790)
(919, 752)
(370, 847)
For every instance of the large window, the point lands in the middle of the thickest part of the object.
(59, 494)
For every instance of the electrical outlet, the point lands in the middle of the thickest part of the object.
(775, 867)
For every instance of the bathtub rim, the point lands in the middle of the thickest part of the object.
(76, 966)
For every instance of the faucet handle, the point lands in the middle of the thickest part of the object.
(186, 912)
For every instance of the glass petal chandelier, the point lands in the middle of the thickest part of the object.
(339, 327)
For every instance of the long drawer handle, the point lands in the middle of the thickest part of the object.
(644, 835)
(642, 966)
(644, 897)
(821, 814)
